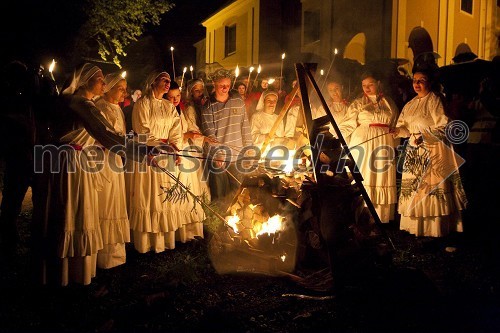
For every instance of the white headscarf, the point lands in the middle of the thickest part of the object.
(191, 85)
(111, 80)
(81, 76)
(148, 87)
(265, 93)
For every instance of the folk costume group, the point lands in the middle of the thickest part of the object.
(94, 209)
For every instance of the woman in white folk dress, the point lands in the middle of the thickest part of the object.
(190, 171)
(264, 119)
(370, 119)
(431, 195)
(113, 218)
(153, 217)
(337, 105)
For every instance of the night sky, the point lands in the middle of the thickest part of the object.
(37, 31)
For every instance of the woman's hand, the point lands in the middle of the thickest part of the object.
(395, 132)
(192, 135)
(210, 140)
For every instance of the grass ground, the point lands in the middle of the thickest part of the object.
(423, 288)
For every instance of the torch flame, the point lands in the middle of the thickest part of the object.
(251, 69)
(191, 68)
(259, 69)
(283, 56)
(237, 71)
(232, 222)
(124, 74)
(283, 257)
(322, 72)
(52, 65)
(271, 81)
(172, 48)
(335, 51)
(272, 226)
(184, 70)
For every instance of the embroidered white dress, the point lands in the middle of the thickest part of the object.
(431, 191)
(373, 149)
(153, 218)
(113, 217)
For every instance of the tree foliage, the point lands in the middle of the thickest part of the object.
(111, 25)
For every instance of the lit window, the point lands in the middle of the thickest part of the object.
(466, 6)
(230, 40)
(311, 26)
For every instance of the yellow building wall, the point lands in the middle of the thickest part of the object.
(447, 25)
(241, 13)
(466, 27)
(418, 15)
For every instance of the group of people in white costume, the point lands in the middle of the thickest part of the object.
(431, 196)
(94, 211)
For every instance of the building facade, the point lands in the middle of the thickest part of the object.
(249, 32)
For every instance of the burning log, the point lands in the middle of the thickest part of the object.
(261, 236)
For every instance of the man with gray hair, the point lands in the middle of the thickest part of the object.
(224, 120)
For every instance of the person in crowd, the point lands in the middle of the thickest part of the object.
(191, 172)
(154, 216)
(265, 118)
(370, 118)
(224, 121)
(241, 87)
(73, 235)
(253, 98)
(431, 195)
(113, 217)
(195, 101)
(174, 96)
(337, 105)
(127, 110)
(242, 90)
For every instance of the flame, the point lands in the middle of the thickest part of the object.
(272, 226)
(322, 72)
(283, 257)
(124, 74)
(237, 71)
(289, 164)
(184, 70)
(190, 68)
(52, 65)
(251, 69)
(259, 69)
(232, 222)
(335, 51)
(283, 56)
(271, 81)
(172, 48)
